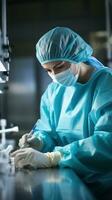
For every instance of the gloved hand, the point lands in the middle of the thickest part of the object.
(31, 157)
(30, 140)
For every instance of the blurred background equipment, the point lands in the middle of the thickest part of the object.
(101, 40)
(4, 59)
(98, 40)
(5, 145)
(4, 46)
(108, 5)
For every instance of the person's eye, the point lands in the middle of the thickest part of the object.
(63, 67)
(47, 70)
(59, 68)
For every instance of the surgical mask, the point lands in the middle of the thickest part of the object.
(66, 78)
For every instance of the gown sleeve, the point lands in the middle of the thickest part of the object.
(43, 128)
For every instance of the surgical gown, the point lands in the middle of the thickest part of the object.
(77, 121)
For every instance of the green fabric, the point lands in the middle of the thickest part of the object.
(77, 121)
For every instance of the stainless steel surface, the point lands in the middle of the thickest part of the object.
(48, 184)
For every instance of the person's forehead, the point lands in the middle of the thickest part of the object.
(55, 63)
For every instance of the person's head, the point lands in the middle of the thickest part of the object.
(60, 51)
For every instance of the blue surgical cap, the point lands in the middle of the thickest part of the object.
(62, 44)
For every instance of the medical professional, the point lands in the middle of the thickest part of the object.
(75, 125)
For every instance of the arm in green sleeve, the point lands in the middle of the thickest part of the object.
(93, 155)
(43, 128)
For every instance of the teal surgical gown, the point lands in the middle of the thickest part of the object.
(77, 121)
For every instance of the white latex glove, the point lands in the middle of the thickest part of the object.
(29, 140)
(31, 157)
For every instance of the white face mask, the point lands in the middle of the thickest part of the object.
(66, 78)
